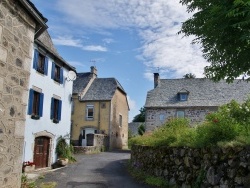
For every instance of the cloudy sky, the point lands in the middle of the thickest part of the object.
(128, 40)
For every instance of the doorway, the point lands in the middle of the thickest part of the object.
(41, 151)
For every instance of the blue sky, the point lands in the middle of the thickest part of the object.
(128, 40)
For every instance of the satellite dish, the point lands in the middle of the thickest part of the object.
(71, 76)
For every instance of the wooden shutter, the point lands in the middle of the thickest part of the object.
(52, 108)
(35, 59)
(31, 98)
(46, 61)
(61, 75)
(53, 71)
(41, 96)
(59, 110)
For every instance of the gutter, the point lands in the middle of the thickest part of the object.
(37, 15)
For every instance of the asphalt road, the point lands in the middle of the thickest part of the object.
(103, 170)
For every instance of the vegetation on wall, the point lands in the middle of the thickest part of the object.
(141, 129)
(230, 125)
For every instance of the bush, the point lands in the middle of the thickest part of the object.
(63, 149)
(230, 124)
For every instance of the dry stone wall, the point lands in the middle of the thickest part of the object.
(187, 167)
(16, 44)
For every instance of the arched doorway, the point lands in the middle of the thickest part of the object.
(41, 151)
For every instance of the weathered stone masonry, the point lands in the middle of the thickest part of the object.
(184, 167)
(16, 43)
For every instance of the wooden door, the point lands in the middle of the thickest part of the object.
(41, 151)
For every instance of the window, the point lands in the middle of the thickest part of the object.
(57, 73)
(120, 120)
(35, 108)
(40, 63)
(180, 114)
(56, 109)
(162, 117)
(90, 112)
(183, 96)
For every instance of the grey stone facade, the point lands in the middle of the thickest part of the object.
(17, 31)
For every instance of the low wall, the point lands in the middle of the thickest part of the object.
(186, 167)
(88, 149)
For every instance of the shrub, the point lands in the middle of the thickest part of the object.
(63, 149)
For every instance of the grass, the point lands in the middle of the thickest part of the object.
(141, 176)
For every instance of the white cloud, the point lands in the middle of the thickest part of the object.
(157, 24)
(131, 103)
(95, 48)
(67, 41)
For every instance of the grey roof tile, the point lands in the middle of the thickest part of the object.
(202, 92)
(81, 81)
(102, 89)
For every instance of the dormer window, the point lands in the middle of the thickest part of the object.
(183, 95)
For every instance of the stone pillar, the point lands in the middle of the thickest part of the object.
(16, 46)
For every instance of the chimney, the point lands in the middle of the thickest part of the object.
(93, 71)
(156, 80)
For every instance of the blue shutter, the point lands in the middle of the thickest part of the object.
(59, 110)
(52, 108)
(41, 96)
(53, 71)
(46, 61)
(35, 59)
(61, 75)
(31, 97)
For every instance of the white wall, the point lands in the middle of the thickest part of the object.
(49, 87)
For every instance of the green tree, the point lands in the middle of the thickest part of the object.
(223, 29)
(189, 75)
(141, 129)
(140, 117)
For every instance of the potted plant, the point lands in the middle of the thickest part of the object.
(64, 151)
(28, 166)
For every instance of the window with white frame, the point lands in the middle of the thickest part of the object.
(90, 112)
(162, 117)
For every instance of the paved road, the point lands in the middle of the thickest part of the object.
(104, 170)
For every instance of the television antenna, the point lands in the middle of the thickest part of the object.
(93, 61)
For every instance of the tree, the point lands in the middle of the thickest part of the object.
(140, 117)
(141, 129)
(189, 75)
(223, 30)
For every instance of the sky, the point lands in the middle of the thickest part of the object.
(124, 39)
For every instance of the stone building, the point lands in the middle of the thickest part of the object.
(20, 24)
(99, 106)
(49, 107)
(190, 98)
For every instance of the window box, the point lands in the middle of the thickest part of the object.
(36, 117)
(55, 121)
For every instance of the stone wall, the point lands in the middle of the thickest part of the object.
(88, 149)
(157, 117)
(16, 44)
(186, 167)
(133, 127)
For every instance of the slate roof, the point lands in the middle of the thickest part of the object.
(81, 81)
(202, 92)
(100, 89)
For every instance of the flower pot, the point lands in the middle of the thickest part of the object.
(63, 162)
(29, 168)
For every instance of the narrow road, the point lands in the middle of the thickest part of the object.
(103, 170)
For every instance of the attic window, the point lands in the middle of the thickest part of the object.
(183, 95)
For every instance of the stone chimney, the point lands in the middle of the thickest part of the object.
(156, 80)
(93, 71)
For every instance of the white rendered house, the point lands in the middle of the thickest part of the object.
(49, 105)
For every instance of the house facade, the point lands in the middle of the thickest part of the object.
(20, 24)
(49, 103)
(100, 106)
(189, 98)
